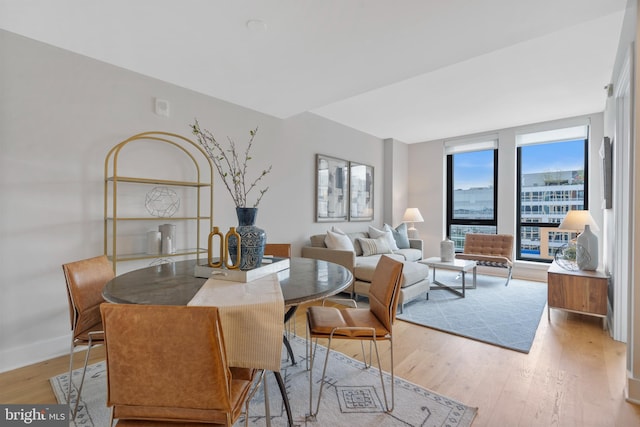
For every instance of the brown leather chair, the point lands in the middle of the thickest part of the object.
(365, 324)
(489, 250)
(168, 364)
(281, 250)
(85, 280)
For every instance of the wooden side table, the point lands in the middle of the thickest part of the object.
(578, 291)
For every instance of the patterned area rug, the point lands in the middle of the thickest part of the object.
(351, 397)
(504, 316)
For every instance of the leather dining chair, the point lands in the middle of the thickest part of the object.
(167, 365)
(365, 324)
(282, 250)
(85, 280)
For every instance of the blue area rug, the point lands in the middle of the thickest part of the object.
(492, 313)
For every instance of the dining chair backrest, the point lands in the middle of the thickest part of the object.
(169, 362)
(385, 289)
(282, 250)
(85, 280)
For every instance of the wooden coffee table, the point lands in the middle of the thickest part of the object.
(463, 266)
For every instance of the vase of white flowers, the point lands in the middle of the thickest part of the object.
(233, 171)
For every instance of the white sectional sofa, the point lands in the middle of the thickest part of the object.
(362, 257)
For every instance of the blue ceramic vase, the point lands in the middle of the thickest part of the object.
(252, 239)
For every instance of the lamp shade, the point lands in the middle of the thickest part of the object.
(412, 215)
(576, 220)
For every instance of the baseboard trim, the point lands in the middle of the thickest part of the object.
(39, 351)
(632, 389)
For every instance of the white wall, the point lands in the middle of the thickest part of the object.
(396, 159)
(427, 185)
(60, 113)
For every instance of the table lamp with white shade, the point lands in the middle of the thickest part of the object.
(581, 222)
(412, 215)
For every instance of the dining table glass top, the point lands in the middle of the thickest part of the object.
(175, 283)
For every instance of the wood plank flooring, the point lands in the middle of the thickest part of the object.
(573, 376)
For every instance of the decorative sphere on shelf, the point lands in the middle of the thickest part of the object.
(162, 202)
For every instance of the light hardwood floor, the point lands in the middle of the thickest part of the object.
(573, 376)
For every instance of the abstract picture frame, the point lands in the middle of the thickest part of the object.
(361, 192)
(332, 189)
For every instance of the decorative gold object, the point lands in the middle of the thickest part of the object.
(216, 232)
(234, 265)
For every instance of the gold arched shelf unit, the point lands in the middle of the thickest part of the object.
(113, 180)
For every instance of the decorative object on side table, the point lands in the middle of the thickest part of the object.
(586, 244)
(233, 170)
(447, 250)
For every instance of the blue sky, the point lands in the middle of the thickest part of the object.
(475, 169)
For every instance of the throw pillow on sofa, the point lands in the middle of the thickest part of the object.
(374, 233)
(374, 246)
(400, 235)
(337, 240)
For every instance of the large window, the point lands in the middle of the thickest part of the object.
(552, 179)
(472, 190)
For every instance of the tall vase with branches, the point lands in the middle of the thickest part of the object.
(232, 169)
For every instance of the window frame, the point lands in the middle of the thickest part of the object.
(518, 198)
(449, 189)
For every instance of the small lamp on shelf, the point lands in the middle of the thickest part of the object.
(581, 222)
(412, 215)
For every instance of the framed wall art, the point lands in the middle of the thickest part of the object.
(361, 192)
(332, 189)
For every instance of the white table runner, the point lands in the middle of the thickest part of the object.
(252, 319)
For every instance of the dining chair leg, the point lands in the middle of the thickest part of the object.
(70, 374)
(84, 372)
(384, 389)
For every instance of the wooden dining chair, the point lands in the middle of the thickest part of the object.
(281, 250)
(167, 365)
(85, 280)
(365, 324)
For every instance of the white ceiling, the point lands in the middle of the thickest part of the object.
(411, 70)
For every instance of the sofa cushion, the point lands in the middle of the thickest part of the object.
(339, 241)
(410, 254)
(400, 235)
(412, 272)
(354, 238)
(374, 246)
(374, 233)
(317, 241)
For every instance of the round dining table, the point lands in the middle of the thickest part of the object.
(175, 283)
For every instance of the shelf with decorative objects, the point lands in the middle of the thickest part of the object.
(133, 204)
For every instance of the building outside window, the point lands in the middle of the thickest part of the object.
(552, 179)
(472, 188)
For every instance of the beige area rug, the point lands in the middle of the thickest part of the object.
(352, 397)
